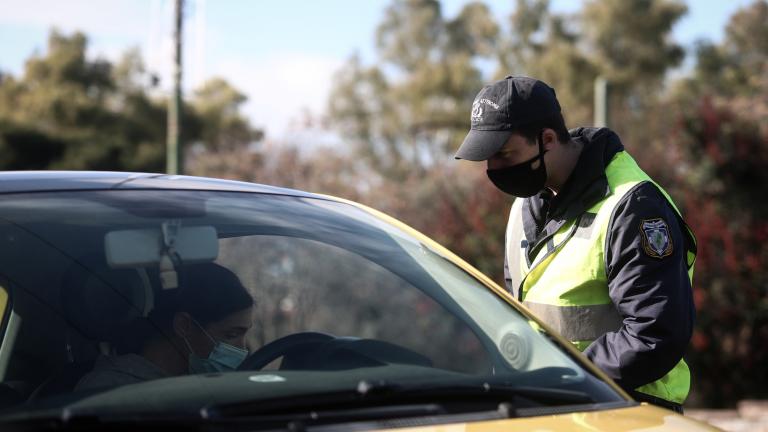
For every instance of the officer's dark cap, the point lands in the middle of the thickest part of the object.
(501, 108)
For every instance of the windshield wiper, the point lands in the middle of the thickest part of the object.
(379, 402)
(451, 397)
(178, 421)
(539, 394)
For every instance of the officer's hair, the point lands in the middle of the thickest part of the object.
(555, 122)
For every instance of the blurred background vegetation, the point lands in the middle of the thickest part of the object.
(703, 134)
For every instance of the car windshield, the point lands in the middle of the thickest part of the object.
(239, 304)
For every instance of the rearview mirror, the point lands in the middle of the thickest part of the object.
(143, 247)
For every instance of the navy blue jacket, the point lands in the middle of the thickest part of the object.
(652, 295)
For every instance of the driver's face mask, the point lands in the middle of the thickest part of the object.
(223, 357)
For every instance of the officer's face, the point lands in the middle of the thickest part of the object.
(516, 150)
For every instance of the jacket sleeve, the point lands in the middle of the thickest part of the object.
(649, 285)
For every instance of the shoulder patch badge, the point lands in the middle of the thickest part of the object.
(655, 237)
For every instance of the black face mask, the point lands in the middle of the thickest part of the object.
(522, 180)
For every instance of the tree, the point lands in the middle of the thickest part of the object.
(739, 65)
(746, 43)
(67, 99)
(726, 169)
(217, 105)
(71, 112)
(720, 142)
(629, 40)
(23, 148)
(542, 45)
(409, 111)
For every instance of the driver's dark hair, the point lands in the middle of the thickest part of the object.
(530, 131)
(208, 292)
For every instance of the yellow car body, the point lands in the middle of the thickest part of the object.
(645, 417)
(27, 198)
(641, 418)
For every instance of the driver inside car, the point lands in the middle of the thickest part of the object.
(197, 328)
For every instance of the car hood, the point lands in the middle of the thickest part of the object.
(644, 418)
(187, 392)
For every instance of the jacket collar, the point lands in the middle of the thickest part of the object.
(585, 187)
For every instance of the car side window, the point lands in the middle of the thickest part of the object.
(38, 340)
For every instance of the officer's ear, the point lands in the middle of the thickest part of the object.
(549, 136)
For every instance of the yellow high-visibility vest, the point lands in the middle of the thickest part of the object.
(566, 285)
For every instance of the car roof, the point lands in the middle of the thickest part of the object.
(42, 181)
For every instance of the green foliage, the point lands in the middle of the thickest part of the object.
(541, 44)
(722, 143)
(728, 168)
(629, 39)
(217, 105)
(747, 36)
(70, 112)
(408, 112)
(738, 66)
(410, 33)
(76, 109)
(27, 149)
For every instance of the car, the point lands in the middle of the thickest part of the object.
(135, 301)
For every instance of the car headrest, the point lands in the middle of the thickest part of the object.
(99, 301)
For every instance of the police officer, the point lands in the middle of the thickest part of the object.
(594, 246)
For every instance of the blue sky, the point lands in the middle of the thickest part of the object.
(282, 54)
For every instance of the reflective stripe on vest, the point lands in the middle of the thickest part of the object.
(577, 323)
(566, 284)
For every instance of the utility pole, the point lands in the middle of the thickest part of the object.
(602, 109)
(173, 160)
